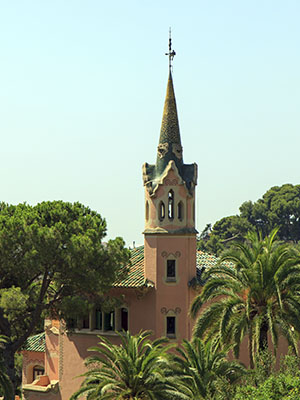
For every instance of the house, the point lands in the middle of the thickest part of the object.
(160, 286)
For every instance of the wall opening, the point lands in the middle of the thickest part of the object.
(171, 326)
(171, 204)
(147, 211)
(180, 210)
(161, 211)
(124, 319)
(109, 321)
(86, 322)
(171, 270)
(37, 371)
(98, 319)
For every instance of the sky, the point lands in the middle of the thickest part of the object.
(82, 88)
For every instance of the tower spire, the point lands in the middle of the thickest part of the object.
(169, 147)
(171, 52)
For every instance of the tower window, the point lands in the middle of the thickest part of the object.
(171, 326)
(147, 211)
(180, 211)
(171, 204)
(171, 270)
(161, 211)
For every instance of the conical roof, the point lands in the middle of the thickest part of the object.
(169, 132)
(169, 147)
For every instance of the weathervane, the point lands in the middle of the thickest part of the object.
(171, 52)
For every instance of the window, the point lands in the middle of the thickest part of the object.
(171, 326)
(161, 211)
(37, 371)
(147, 211)
(124, 319)
(98, 319)
(171, 204)
(171, 270)
(109, 321)
(180, 211)
(86, 322)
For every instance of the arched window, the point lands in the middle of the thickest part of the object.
(171, 204)
(161, 211)
(180, 210)
(147, 211)
(37, 371)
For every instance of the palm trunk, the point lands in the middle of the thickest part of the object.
(263, 336)
(251, 349)
(9, 361)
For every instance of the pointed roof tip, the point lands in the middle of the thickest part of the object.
(169, 132)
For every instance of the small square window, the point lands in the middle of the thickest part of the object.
(171, 326)
(171, 270)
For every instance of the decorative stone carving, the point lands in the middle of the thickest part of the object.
(162, 149)
(164, 254)
(166, 311)
(177, 150)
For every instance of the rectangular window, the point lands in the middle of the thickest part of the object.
(98, 320)
(171, 326)
(171, 270)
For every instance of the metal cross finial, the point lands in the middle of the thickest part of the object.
(171, 52)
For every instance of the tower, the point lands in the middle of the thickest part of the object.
(170, 234)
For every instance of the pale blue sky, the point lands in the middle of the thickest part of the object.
(82, 86)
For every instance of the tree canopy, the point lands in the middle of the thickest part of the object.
(135, 370)
(256, 294)
(51, 256)
(278, 207)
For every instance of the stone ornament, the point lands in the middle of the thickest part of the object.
(177, 150)
(162, 149)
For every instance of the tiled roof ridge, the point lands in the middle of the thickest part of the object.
(36, 343)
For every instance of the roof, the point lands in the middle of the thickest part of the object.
(136, 277)
(36, 343)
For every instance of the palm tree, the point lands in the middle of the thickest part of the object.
(5, 383)
(133, 370)
(254, 291)
(201, 366)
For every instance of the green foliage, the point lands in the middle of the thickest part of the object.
(265, 383)
(278, 207)
(137, 369)
(6, 387)
(204, 371)
(257, 295)
(51, 256)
